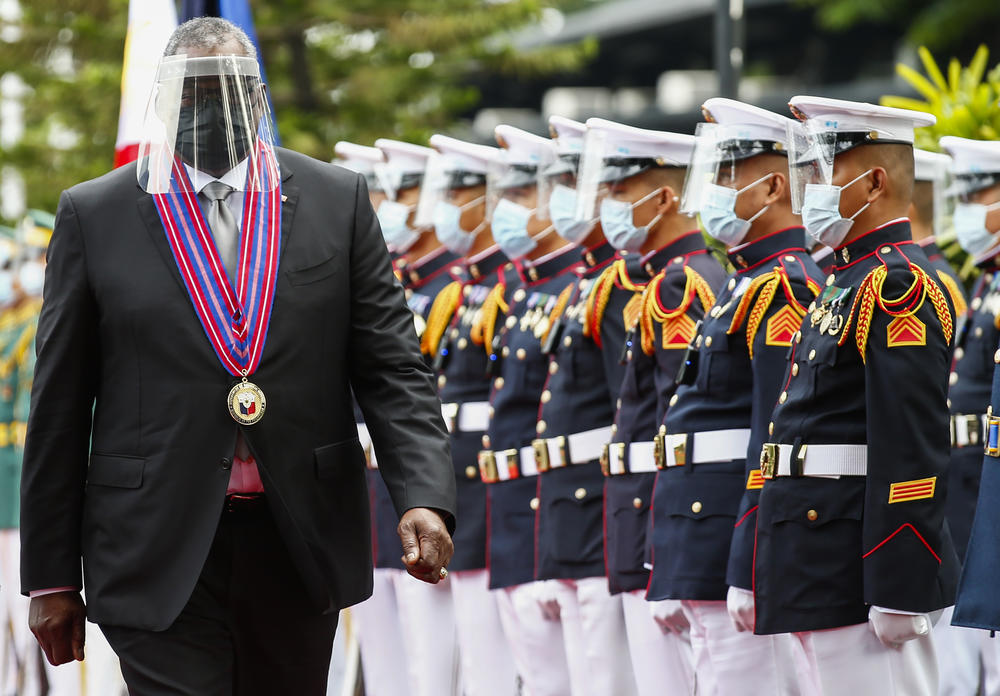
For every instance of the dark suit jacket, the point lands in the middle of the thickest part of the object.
(138, 492)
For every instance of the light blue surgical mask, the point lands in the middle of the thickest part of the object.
(448, 226)
(31, 277)
(970, 227)
(393, 217)
(510, 229)
(821, 212)
(718, 212)
(618, 223)
(562, 210)
(6, 287)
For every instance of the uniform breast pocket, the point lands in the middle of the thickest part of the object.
(820, 359)
(313, 273)
(714, 373)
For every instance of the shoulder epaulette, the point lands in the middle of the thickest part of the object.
(677, 327)
(441, 314)
(957, 298)
(763, 289)
(485, 325)
(905, 329)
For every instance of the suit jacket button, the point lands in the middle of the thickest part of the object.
(226, 463)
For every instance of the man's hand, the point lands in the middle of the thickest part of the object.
(741, 607)
(427, 545)
(669, 616)
(57, 620)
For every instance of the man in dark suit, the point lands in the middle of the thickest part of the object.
(217, 553)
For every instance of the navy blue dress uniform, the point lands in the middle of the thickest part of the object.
(928, 216)
(651, 368)
(851, 532)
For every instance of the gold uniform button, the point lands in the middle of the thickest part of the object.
(628, 355)
(977, 302)
(568, 341)
(885, 249)
(618, 404)
(770, 428)
(708, 341)
(491, 411)
(614, 428)
(679, 259)
(978, 332)
(663, 430)
(442, 380)
(453, 333)
(812, 515)
(519, 294)
(580, 493)
(457, 270)
(463, 343)
(505, 351)
(732, 284)
(540, 427)
(812, 354)
(471, 472)
(714, 312)
(521, 353)
(783, 398)
(511, 322)
(829, 279)
(486, 441)
(637, 503)
(959, 353)
(953, 378)
(553, 368)
(996, 357)
(546, 396)
(812, 307)
(533, 504)
(789, 258)
(795, 369)
(798, 337)
(696, 507)
(498, 383)
(460, 311)
(673, 399)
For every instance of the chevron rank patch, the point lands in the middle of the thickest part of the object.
(678, 332)
(755, 481)
(782, 326)
(919, 489)
(907, 331)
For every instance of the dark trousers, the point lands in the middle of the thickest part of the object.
(248, 629)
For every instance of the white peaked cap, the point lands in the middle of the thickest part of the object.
(840, 116)
(405, 158)
(672, 149)
(972, 157)
(746, 121)
(357, 158)
(930, 166)
(521, 146)
(470, 157)
(567, 134)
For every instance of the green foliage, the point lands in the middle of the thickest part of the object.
(348, 70)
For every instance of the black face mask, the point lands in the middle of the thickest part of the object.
(203, 136)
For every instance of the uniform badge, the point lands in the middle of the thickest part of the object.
(678, 332)
(906, 331)
(919, 489)
(782, 326)
(756, 480)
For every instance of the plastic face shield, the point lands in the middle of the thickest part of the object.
(504, 178)
(442, 174)
(938, 174)
(210, 113)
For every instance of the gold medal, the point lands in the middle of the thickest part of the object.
(836, 325)
(824, 324)
(246, 402)
(817, 315)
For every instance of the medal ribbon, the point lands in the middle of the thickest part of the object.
(235, 323)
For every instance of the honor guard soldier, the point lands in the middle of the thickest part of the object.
(519, 367)
(453, 197)
(960, 650)
(378, 629)
(852, 548)
(976, 170)
(585, 343)
(928, 213)
(738, 182)
(672, 273)
(424, 264)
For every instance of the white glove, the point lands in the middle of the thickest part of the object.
(895, 628)
(669, 616)
(740, 604)
(547, 598)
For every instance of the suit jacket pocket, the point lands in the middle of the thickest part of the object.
(314, 273)
(117, 471)
(339, 459)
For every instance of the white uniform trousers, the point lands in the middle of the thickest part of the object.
(22, 662)
(535, 642)
(427, 619)
(727, 661)
(593, 626)
(487, 665)
(959, 654)
(991, 663)
(383, 657)
(851, 661)
(661, 662)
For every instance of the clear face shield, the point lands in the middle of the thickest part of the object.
(211, 114)
(558, 197)
(973, 209)
(447, 192)
(933, 176)
(513, 206)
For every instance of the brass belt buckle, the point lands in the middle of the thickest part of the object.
(768, 461)
(660, 448)
(564, 459)
(450, 413)
(680, 449)
(513, 463)
(617, 463)
(992, 446)
(605, 462)
(541, 448)
(488, 466)
(974, 427)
